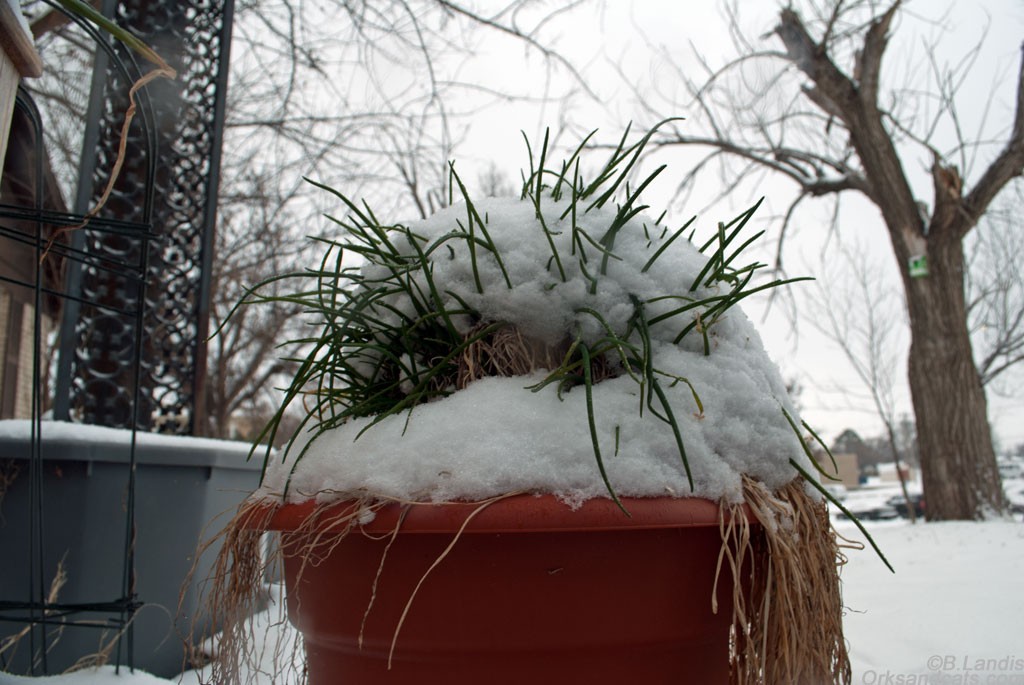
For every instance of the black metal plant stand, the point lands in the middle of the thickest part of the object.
(37, 234)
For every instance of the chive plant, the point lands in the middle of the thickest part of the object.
(387, 336)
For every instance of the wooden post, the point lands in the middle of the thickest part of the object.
(18, 60)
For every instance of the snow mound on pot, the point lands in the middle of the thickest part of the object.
(499, 436)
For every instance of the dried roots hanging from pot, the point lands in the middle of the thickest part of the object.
(234, 595)
(787, 605)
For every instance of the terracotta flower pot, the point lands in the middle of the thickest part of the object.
(532, 591)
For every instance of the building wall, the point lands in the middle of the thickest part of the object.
(17, 323)
(849, 469)
(887, 473)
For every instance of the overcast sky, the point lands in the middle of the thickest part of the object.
(643, 37)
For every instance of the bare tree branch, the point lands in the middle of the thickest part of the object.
(528, 38)
(1007, 166)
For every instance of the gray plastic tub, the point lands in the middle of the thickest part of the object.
(186, 489)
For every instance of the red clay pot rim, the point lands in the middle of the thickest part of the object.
(515, 513)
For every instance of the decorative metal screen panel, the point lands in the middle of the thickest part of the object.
(193, 36)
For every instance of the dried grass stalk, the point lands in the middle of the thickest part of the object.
(9, 644)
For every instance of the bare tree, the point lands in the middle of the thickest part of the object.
(494, 182)
(254, 244)
(816, 112)
(355, 95)
(864, 319)
(368, 95)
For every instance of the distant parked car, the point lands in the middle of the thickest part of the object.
(878, 512)
(899, 503)
(1016, 498)
(1010, 469)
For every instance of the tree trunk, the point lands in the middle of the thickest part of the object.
(961, 480)
(958, 462)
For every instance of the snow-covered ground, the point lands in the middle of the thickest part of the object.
(954, 608)
(952, 613)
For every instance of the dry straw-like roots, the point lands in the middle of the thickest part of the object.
(234, 592)
(507, 352)
(787, 605)
(779, 553)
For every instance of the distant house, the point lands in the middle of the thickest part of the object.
(887, 472)
(848, 465)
